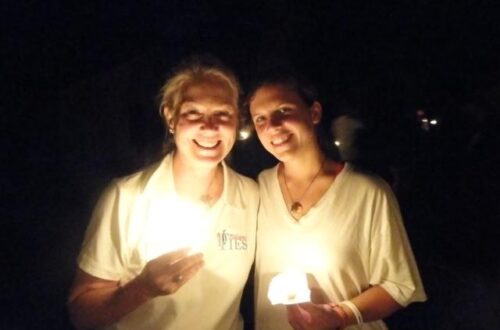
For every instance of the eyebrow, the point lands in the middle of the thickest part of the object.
(225, 106)
(279, 106)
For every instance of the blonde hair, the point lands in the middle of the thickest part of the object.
(194, 70)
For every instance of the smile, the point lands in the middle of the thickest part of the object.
(280, 139)
(207, 145)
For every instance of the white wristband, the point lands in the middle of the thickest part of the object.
(354, 309)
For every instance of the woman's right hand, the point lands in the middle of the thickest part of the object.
(309, 316)
(165, 274)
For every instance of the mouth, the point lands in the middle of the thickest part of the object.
(207, 145)
(281, 139)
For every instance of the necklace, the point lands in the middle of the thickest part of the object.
(206, 197)
(297, 207)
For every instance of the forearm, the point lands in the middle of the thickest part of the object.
(374, 304)
(101, 307)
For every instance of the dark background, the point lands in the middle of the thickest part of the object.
(79, 82)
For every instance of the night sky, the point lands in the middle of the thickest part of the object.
(378, 62)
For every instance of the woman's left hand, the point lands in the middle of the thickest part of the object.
(310, 316)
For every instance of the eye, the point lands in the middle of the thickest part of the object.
(284, 110)
(191, 114)
(259, 120)
(224, 116)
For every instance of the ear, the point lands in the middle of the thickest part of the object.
(316, 112)
(169, 117)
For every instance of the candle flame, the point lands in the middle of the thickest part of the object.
(288, 288)
(183, 225)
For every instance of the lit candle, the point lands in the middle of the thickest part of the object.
(288, 288)
(183, 224)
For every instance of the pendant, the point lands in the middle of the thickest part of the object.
(205, 198)
(296, 209)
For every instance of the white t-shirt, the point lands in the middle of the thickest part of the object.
(140, 217)
(351, 239)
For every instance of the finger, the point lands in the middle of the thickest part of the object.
(190, 261)
(187, 273)
(306, 311)
(173, 256)
(301, 317)
(293, 316)
(182, 265)
(185, 262)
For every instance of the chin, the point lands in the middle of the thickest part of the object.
(284, 156)
(209, 160)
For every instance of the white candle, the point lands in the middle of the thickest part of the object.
(288, 288)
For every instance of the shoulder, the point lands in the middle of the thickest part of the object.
(354, 178)
(267, 175)
(137, 181)
(241, 181)
(152, 179)
(367, 189)
(242, 191)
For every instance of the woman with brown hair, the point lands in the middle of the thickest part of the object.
(338, 227)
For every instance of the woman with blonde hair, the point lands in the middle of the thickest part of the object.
(171, 246)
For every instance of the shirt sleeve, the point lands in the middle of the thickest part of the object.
(392, 263)
(102, 254)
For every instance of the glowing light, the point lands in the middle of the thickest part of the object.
(425, 120)
(289, 288)
(433, 122)
(181, 224)
(244, 134)
(337, 143)
(291, 285)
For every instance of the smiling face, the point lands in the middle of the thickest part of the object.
(284, 123)
(205, 123)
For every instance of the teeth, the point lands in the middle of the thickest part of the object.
(280, 139)
(207, 144)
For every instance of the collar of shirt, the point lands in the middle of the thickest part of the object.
(158, 181)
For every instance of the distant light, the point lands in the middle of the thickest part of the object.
(244, 134)
(337, 143)
(425, 124)
(433, 122)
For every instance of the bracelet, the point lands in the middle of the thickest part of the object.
(344, 318)
(354, 309)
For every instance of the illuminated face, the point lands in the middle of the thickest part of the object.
(284, 123)
(205, 130)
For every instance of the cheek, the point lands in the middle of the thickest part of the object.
(263, 138)
(182, 128)
(230, 132)
(230, 126)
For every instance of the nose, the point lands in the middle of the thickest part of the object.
(275, 121)
(209, 122)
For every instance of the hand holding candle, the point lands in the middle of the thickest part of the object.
(167, 273)
(311, 316)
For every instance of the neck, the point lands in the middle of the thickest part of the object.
(303, 166)
(194, 182)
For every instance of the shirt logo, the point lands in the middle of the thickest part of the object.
(229, 241)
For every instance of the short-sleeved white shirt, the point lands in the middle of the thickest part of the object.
(353, 238)
(137, 219)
